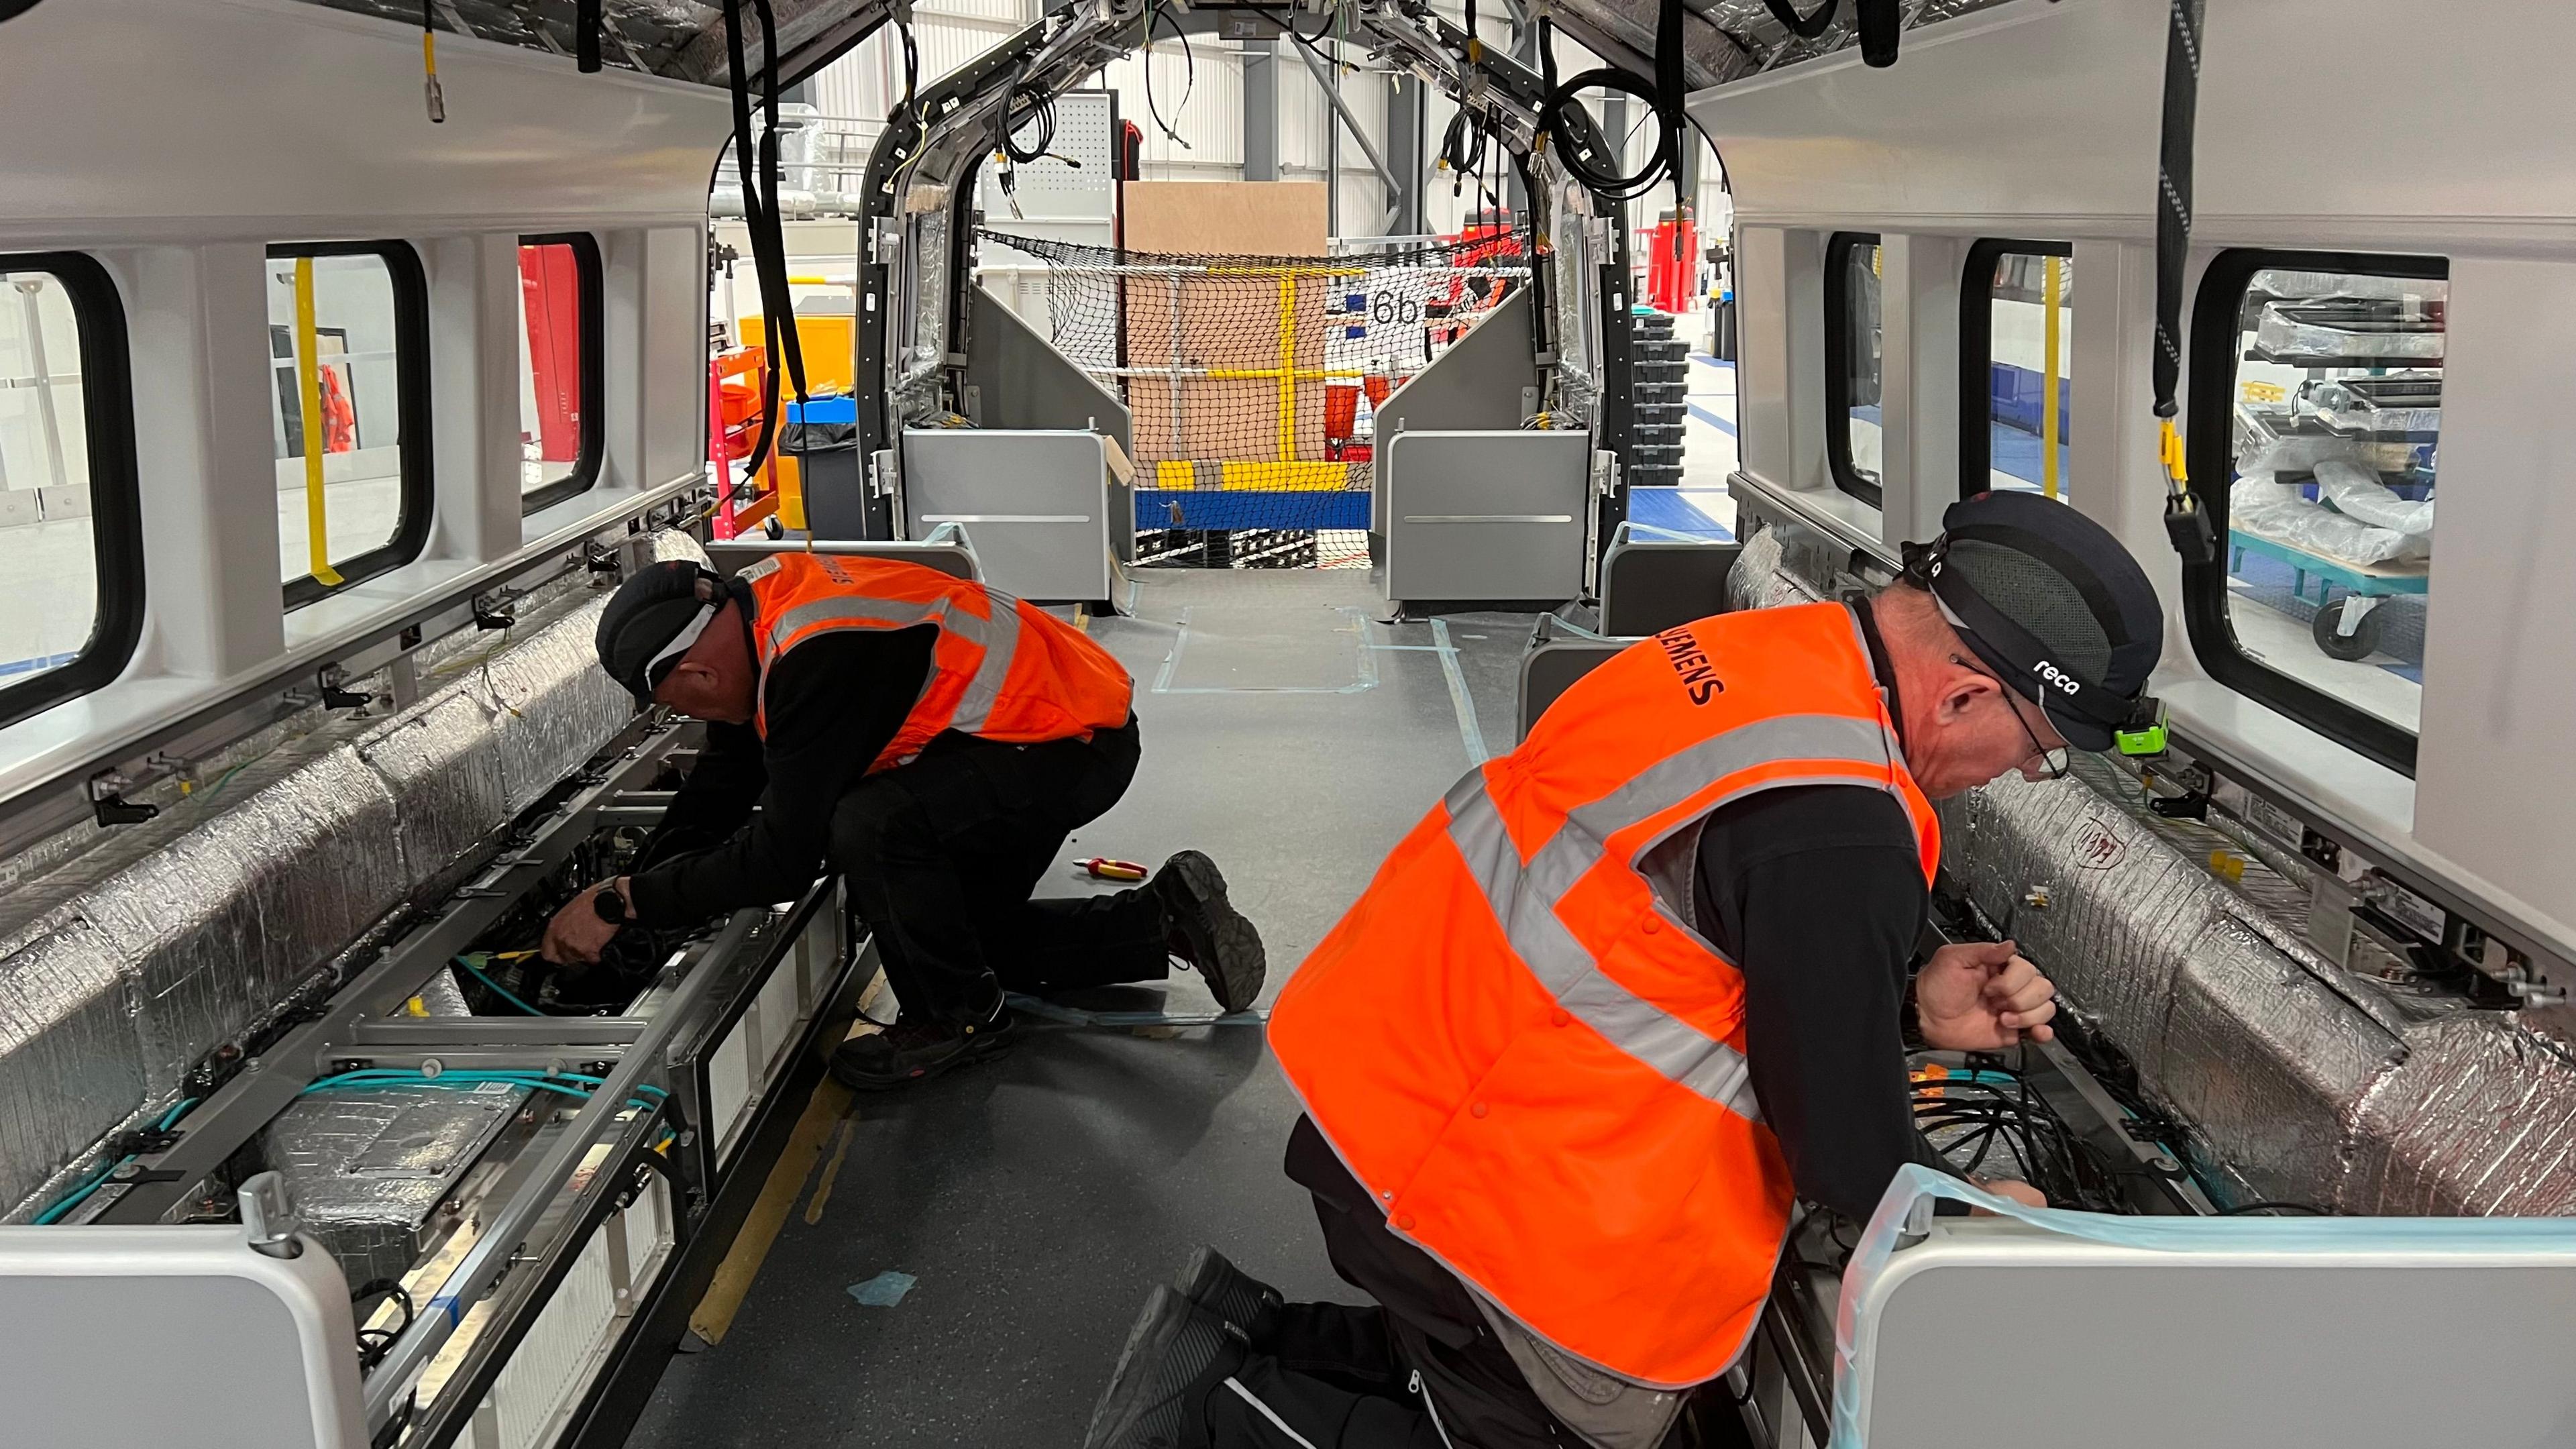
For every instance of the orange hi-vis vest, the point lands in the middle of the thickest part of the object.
(1520, 1045)
(1002, 669)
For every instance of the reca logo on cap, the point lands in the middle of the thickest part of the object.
(2058, 678)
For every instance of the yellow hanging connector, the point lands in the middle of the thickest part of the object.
(2169, 452)
(429, 68)
(308, 376)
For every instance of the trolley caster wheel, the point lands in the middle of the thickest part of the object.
(2359, 644)
(772, 527)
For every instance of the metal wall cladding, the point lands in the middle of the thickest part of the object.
(71, 1064)
(2268, 1062)
(560, 705)
(2122, 909)
(367, 1168)
(2479, 1119)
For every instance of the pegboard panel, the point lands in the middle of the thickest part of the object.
(1051, 198)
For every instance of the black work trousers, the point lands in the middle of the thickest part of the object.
(1332, 1376)
(940, 856)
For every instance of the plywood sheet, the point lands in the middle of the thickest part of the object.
(1260, 218)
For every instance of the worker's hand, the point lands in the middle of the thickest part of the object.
(1982, 997)
(2020, 1192)
(577, 935)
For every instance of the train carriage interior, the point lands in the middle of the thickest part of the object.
(1359, 375)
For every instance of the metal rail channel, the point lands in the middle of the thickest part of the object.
(152, 1186)
(519, 1218)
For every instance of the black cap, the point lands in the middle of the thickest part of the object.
(2053, 604)
(652, 620)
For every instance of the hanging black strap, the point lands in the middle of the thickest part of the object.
(585, 36)
(2194, 535)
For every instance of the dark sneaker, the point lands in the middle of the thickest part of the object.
(1230, 1293)
(1208, 933)
(1176, 1352)
(910, 1051)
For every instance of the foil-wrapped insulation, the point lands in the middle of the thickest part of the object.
(2479, 1119)
(71, 1063)
(368, 1169)
(124, 961)
(2267, 1062)
(663, 545)
(2091, 895)
(1762, 577)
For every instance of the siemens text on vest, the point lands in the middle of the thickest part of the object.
(1691, 663)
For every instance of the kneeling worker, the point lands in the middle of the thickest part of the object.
(1632, 989)
(935, 741)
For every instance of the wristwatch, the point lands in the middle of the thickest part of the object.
(610, 905)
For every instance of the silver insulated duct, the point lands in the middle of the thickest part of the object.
(2186, 946)
(129, 960)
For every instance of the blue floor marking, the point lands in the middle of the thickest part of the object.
(1668, 510)
(1721, 424)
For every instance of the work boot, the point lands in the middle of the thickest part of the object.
(1230, 1293)
(917, 1048)
(1175, 1354)
(1207, 933)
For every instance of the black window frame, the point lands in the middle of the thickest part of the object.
(2216, 325)
(412, 413)
(115, 491)
(1838, 300)
(591, 291)
(1976, 354)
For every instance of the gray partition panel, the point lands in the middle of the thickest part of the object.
(1486, 515)
(957, 558)
(1474, 386)
(1036, 504)
(1552, 668)
(2388, 1345)
(1650, 585)
(1023, 382)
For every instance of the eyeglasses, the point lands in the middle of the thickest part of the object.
(2052, 760)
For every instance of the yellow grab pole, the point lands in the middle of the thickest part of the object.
(2050, 292)
(308, 377)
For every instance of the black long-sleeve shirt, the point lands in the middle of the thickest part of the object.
(1818, 893)
(834, 703)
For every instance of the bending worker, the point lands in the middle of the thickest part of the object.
(1631, 989)
(936, 741)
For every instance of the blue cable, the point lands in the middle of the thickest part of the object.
(497, 988)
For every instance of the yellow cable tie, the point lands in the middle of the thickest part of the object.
(2169, 452)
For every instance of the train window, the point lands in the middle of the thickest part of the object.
(560, 388)
(351, 429)
(68, 506)
(1852, 363)
(2017, 346)
(2316, 427)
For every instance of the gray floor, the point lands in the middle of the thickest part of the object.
(1034, 1200)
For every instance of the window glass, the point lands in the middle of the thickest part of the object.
(71, 608)
(2025, 407)
(1852, 364)
(2336, 437)
(44, 480)
(346, 307)
(558, 364)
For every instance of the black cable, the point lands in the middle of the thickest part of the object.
(2300, 1208)
(1156, 15)
(1041, 109)
(1663, 95)
(2187, 522)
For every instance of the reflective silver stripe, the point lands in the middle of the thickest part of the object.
(1001, 639)
(1524, 896)
(999, 636)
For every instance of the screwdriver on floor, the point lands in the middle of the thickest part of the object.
(1101, 867)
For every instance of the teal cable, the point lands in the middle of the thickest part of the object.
(497, 988)
(81, 1194)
